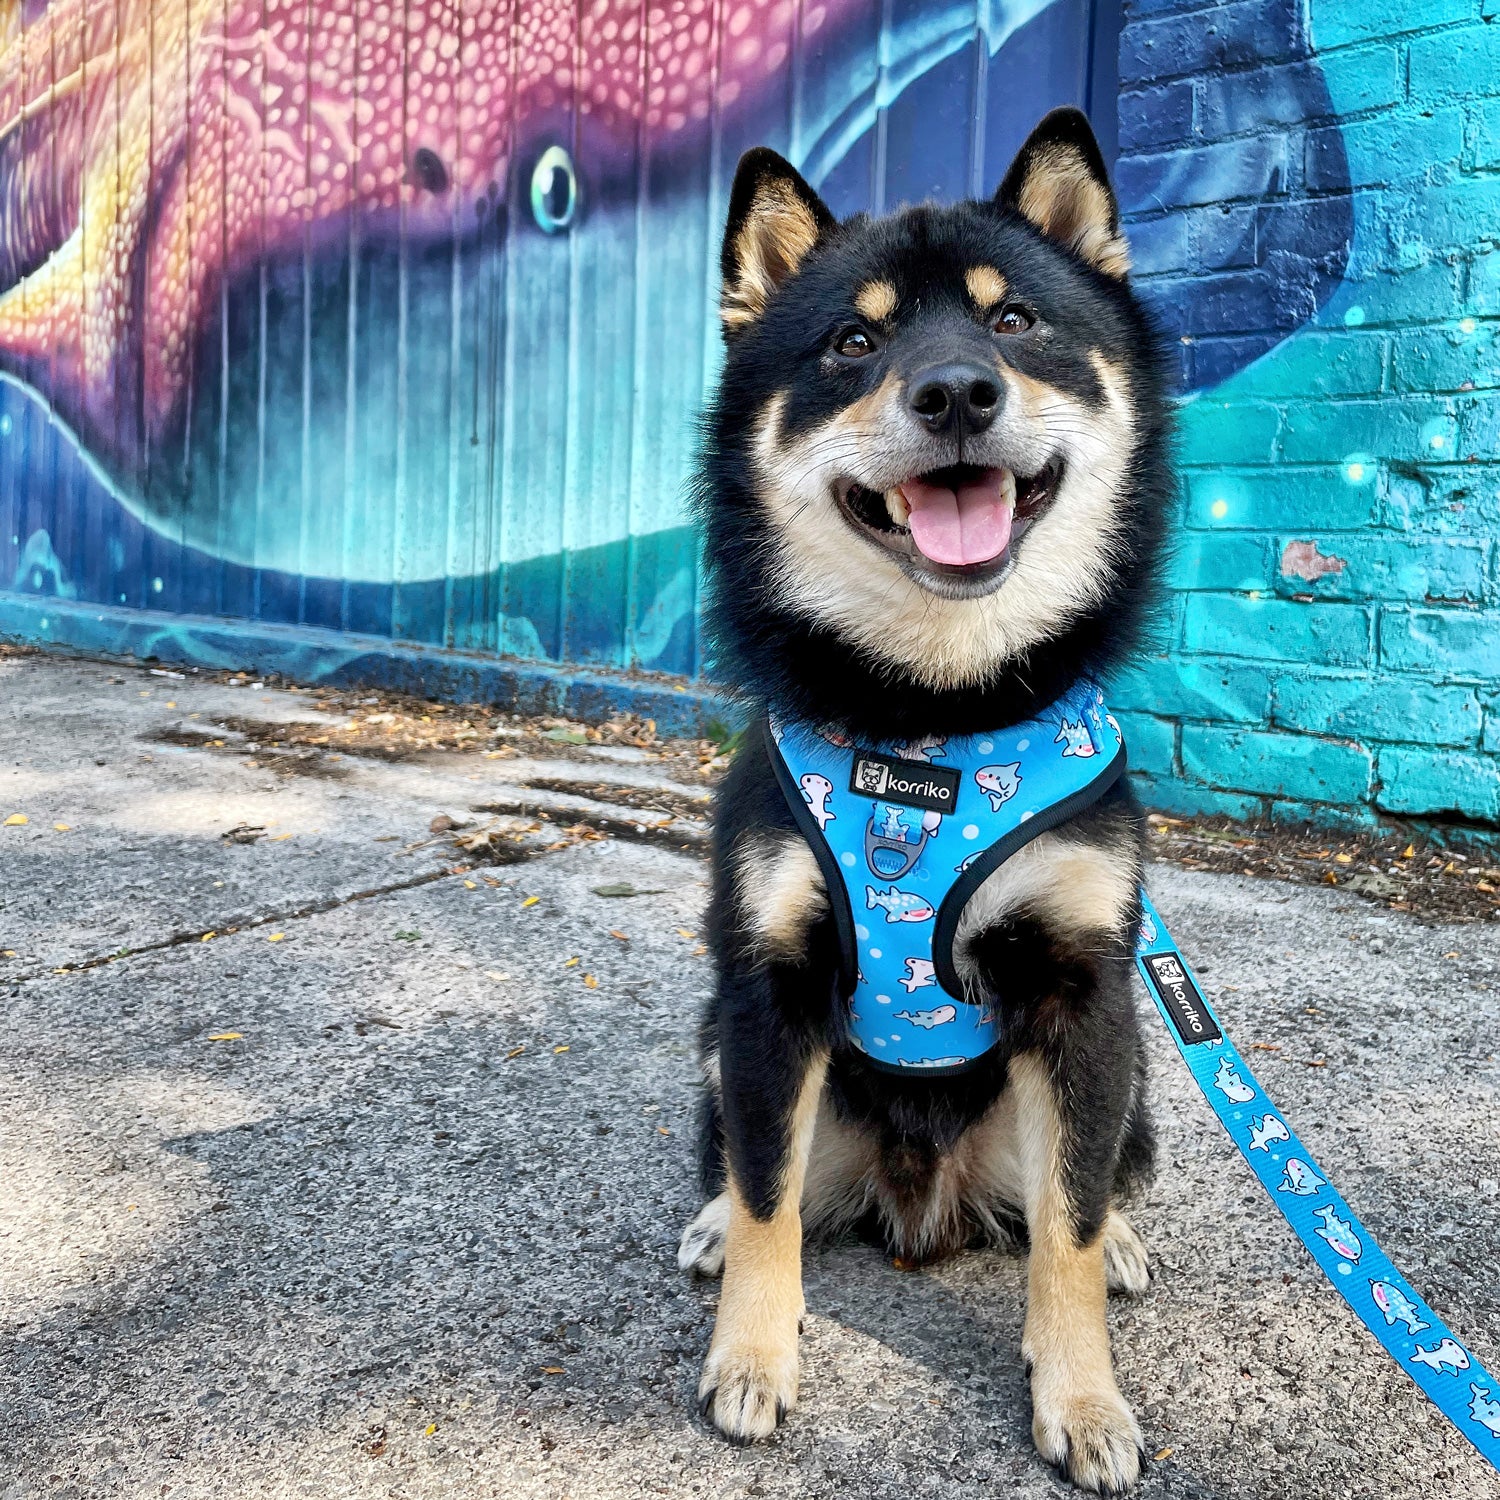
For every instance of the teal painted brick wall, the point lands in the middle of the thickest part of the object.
(1332, 649)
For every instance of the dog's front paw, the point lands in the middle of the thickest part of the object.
(1090, 1434)
(745, 1392)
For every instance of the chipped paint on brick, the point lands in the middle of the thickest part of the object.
(1303, 560)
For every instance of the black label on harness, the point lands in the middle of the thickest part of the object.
(1186, 1006)
(912, 783)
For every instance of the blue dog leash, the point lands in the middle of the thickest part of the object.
(1412, 1334)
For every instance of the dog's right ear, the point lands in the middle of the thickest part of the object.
(774, 220)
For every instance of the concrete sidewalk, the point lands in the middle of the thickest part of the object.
(379, 1196)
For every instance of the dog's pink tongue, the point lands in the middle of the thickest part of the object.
(968, 525)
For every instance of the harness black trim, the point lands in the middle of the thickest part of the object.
(951, 910)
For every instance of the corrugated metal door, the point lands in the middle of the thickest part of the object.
(393, 318)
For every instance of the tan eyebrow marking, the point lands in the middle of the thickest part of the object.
(876, 300)
(986, 286)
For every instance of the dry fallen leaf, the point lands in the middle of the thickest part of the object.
(206, 936)
(1161, 1455)
(662, 1130)
(530, 901)
(615, 933)
(553, 1370)
(1407, 852)
(16, 820)
(590, 982)
(564, 1048)
(63, 827)
(429, 1429)
(575, 959)
(278, 838)
(471, 885)
(682, 932)
(514, 1052)
(700, 950)
(226, 1036)
(275, 937)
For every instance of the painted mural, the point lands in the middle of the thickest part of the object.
(1333, 648)
(393, 318)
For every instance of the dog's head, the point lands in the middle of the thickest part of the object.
(936, 432)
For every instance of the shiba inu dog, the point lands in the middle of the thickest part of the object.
(933, 490)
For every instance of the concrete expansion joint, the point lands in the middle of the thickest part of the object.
(236, 925)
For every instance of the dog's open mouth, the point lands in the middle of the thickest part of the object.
(961, 519)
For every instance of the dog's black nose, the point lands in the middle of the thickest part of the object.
(948, 398)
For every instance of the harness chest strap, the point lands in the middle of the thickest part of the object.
(904, 834)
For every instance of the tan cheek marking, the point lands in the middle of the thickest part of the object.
(781, 893)
(868, 416)
(986, 286)
(876, 301)
(1034, 396)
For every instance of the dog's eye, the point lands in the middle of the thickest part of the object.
(1014, 319)
(854, 343)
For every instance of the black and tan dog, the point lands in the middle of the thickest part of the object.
(933, 489)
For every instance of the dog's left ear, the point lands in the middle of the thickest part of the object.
(775, 218)
(1059, 182)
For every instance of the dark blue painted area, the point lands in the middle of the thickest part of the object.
(1238, 243)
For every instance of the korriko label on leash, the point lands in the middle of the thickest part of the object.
(1184, 1004)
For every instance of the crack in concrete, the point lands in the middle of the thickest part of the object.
(247, 924)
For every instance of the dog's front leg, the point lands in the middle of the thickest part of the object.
(1080, 1420)
(771, 1075)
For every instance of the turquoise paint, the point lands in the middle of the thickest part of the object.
(1364, 448)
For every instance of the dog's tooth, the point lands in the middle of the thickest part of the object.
(896, 507)
(1007, 487)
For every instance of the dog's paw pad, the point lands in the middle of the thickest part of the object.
(701, 1250)
(1092, 1436)
(1126, 1268)
(747, 1394)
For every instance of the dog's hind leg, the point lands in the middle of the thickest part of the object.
(834, 1192)
(1080, 1421)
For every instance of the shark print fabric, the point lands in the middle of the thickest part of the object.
(905, 833)
(1447, 1372)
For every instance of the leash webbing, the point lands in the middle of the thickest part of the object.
(1411, 1333)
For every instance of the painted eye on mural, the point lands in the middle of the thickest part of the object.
(1014, 319)
(554, 191)
(854, 343)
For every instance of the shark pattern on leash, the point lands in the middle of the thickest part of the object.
(1327, 1227)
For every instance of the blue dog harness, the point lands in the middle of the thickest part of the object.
(906, 833)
